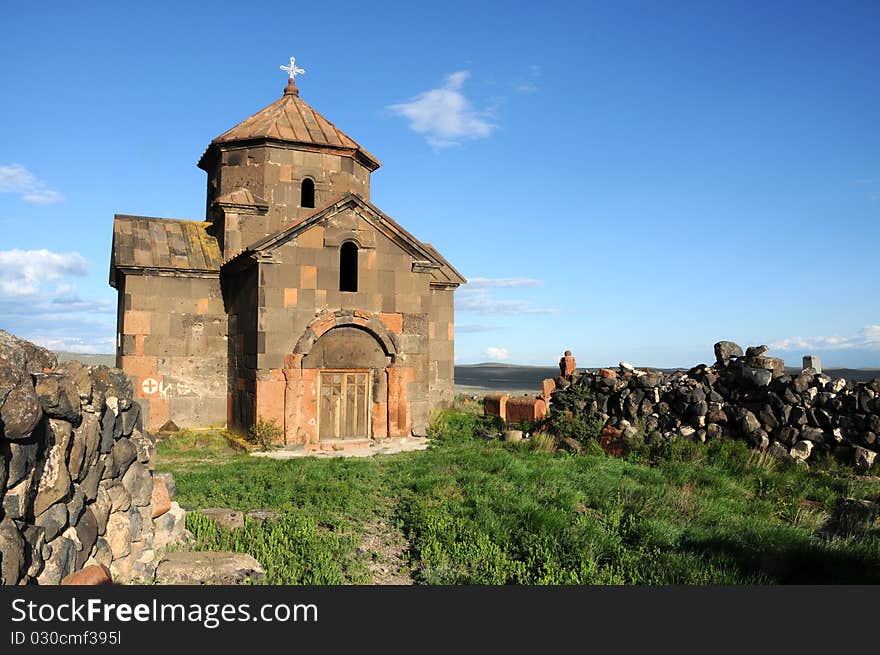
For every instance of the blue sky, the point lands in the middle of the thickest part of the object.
(626, 180)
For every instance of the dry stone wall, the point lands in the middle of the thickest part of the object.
(743, 395)
(76, 472)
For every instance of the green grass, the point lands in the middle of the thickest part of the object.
(488, 512)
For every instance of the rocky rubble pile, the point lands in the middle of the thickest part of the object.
(743, 395)
(76, 476)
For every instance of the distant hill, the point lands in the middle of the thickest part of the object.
(89, 360)
(476, 378)
(497, 376)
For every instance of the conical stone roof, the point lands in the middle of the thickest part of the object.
(290, 119)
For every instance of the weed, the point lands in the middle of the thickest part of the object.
(265, 433)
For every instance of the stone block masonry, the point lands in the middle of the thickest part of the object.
(76, 474)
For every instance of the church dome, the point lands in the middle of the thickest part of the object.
(291, 120)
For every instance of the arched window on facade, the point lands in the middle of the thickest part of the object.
(307, 193)
(348, 266)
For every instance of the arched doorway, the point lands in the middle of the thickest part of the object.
(344, 382)
(350, 365)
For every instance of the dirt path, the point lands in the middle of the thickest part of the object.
(384, 550)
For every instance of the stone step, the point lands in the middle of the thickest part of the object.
(199, 568)
(339, 444)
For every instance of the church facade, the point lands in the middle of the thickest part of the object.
(296, 300)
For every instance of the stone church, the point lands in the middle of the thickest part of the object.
(296, 299)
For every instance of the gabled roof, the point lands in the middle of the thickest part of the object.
(142, 242)
(290, 119)
(425, 256)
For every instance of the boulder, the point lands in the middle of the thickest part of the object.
(108, 428)
(227, 518)
(101, 509)
(54, 479)
(103, 555)
(199, 568)
(17, 499)
(58, 397)
(815, 435)
(131, 419)
(759, 439)
(21, 457)
(863, 459)
(87, 532)
(748, 422)
(262, 515)
(75, 506)
(139, 483)
(89, 484)
(120, 498)
(778, 450)
(12, 553)
(20, 411)
(53, 521)
(145, 444)
(724, 350)
(26, 355)
(84, 446)
(60, 562)
(113, 382)
(801, 451)
(759, 377)
(170, 528)
(79, 376)
(118, 534)
(35, 539)
(121, 457)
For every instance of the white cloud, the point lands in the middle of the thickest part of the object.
(868, 338)
(15, 178)
(444, 115)
(497, 354)
(476, 296)
(22, 272)
(499, 283)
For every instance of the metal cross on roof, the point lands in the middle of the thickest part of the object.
(292, 70)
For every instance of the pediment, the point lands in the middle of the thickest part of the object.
(342, 220)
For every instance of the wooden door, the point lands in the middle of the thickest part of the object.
(344, 411)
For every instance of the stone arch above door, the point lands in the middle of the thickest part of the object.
(326, 321)
(347, 346)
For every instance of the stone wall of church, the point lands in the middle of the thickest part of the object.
(242, 293)
(173, 344)
(298, 290)
(441, 348)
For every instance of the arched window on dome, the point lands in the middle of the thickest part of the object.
(307, 193)
(348, 266)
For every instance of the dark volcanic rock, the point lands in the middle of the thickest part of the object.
(26, 355)
(724, 350)
(58, 397)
